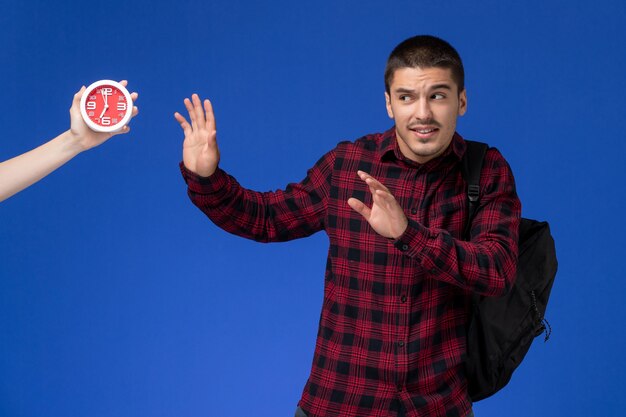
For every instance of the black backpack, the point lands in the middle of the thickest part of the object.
(501, 329)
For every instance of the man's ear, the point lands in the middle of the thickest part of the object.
(462, 102)
(388, 104)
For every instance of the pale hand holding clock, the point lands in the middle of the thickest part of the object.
(84, 137)
(200, 151)
(24, 170)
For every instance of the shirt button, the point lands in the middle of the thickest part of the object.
(414, 211)
(405, 247)
(401, 343)
(433, 271)
(403, 298)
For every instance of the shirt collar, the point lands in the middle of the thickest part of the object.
(389, 149)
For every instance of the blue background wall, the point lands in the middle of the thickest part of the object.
(119, 298)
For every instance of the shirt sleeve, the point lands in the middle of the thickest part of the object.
(487, 263)
(297, 211)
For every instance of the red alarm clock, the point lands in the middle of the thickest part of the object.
(106, 106)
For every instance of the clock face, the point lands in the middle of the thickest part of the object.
(106, 106)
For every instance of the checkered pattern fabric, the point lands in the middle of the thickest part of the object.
(393, 322)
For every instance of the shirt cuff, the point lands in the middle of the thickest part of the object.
(204, 185)
(417, 242)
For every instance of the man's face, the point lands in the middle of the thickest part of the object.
(424, 103)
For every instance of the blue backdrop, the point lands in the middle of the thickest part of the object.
(119, 298)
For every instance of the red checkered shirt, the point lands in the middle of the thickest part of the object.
(393, 322)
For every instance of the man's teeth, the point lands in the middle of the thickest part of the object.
(425, 130)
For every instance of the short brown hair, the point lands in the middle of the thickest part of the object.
(425, 51)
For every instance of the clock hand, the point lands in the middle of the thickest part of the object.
(105, 97)
(106, 102)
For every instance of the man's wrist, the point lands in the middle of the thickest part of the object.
(215, 182)
(397, 236)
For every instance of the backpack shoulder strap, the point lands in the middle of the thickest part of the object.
(471, 166)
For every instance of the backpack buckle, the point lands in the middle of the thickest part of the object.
(472, 192)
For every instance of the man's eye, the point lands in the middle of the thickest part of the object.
(438, 96)
(405, 98)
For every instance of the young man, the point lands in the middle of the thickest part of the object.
(399, 275)
(26, 169)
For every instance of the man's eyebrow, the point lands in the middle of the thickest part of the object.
(404, 90)
(442, 86)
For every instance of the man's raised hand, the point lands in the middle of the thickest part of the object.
(385, 216)
(200, 152)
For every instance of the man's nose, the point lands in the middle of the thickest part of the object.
(423, 112)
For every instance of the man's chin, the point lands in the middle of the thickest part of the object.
(425, 148)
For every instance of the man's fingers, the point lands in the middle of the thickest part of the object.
(198, 112)
(190, 112)
(360, 208)
(372, 182)
(183, 123)
(201, 117)
(180, 118)
(208, 111)
(384, 198)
